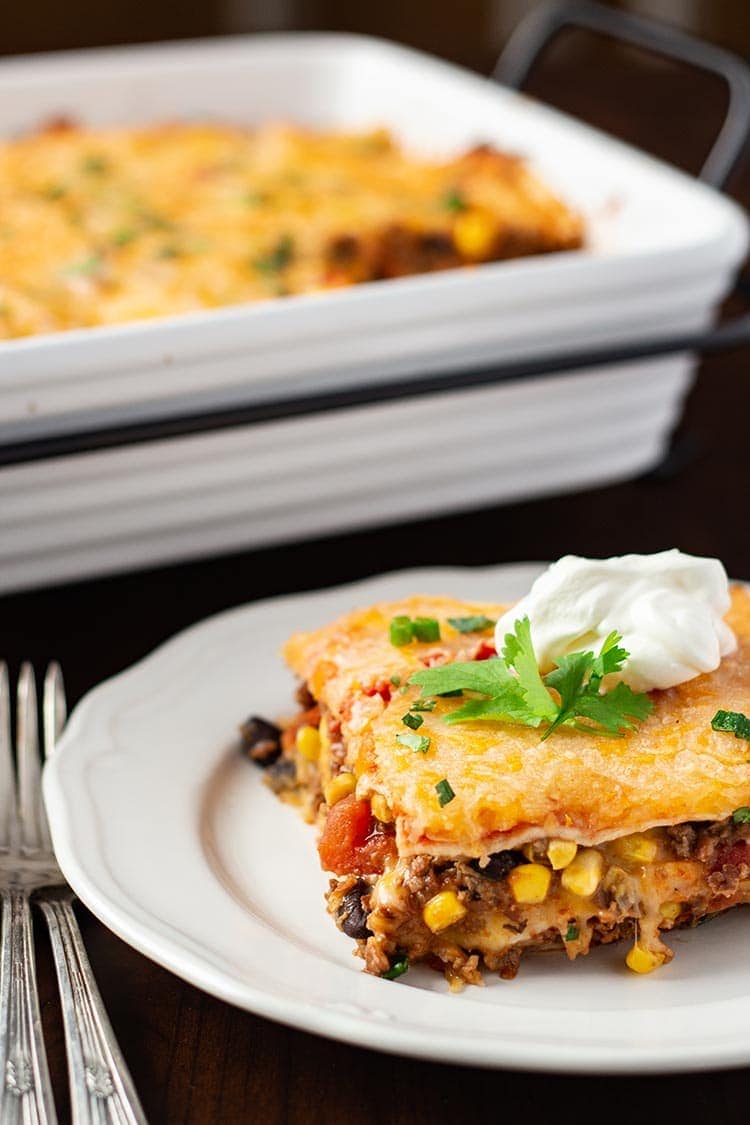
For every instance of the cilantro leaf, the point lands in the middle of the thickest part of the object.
(485, 676)
(516, 692)
(616, 711)
(518, 653)
(477, 624)
(577, 679)
(507, 706)
(568, 679)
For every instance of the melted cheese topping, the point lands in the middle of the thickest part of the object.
(111, 225)
(509, 787)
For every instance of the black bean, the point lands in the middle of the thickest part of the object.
(437, 243)
(498, 865)
(282, 775)
(261, 740)
(352, 914)
(304, 697)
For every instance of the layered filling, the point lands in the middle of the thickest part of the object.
(462, 914)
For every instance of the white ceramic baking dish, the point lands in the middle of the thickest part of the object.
(662, 252)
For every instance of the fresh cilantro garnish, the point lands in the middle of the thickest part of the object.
(733, 721)
(418, 742)
(477, 624)
(516, 692)
(571, 934)
(519, 654)
(396, 681)
(444, 792)
(397, 969)
(413, 721)
(741, 815)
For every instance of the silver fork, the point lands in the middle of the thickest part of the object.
(101, 1089)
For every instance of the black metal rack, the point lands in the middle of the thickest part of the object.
(525, 46)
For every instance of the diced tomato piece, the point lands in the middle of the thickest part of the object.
(732, 856)
(381, 688)
(350, 843)
(485, 651)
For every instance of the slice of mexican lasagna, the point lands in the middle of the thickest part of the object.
(476, 800)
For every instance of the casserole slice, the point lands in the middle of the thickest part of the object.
(466, 844)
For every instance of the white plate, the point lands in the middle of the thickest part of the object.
(172, 839)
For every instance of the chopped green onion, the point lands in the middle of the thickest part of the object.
(572, 932)
(278, 258)
(741, 815)
(732, 721)
(454, 200)
(397, 969)
(85, 268)
(124, 236)
(401, 631)
(95, 164)
(423, 705)
(418, 742)
(476, 624)
(154, 221)
(396, 681)
(426, 628)
(413, 721)
(444, 792)
(54, 192)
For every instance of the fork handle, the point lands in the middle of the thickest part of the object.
(26, 1094)
(101, 1089)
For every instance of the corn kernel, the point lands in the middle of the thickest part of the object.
(670, 910)
(642, 960)
(637, 848)
(582, 876)
(474, 234)
(530, 882)
(308, 743)
(381, 809)
(339, 787)
(443, 910)
(560, 853)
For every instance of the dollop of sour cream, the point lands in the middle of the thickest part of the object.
(669, 608)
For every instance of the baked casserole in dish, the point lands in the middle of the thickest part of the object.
(105, 226)
(538, 811)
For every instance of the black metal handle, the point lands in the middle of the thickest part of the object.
(732, 334)
(535, 32)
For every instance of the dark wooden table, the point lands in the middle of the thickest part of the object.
(193, 1058)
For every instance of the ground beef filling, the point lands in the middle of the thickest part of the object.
(710, 864)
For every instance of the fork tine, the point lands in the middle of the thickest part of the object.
(53, 706)
(7, 771)
(34, 831)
